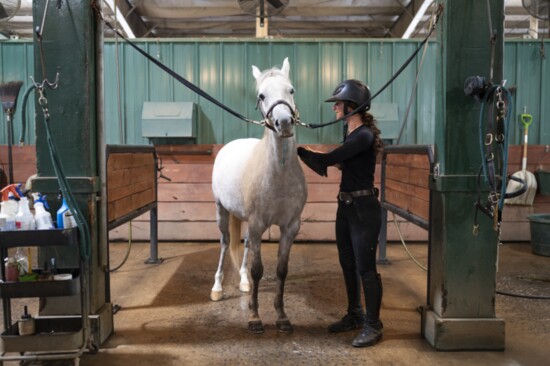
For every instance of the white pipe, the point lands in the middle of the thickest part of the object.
(419, 14)
(122, 20)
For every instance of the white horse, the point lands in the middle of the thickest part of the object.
(261, 182)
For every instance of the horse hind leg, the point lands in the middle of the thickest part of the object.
(223, 223)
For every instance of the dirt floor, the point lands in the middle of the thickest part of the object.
(167, 318)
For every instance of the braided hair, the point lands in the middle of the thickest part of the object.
(369, 121)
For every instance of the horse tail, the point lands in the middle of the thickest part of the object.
(234, 240)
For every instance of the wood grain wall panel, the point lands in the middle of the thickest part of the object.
(318, 192)
(309, 231)
(185, 192)
(409, 203)
(24, 163)
(188, 173)
(131, 183)
(320, 211)
(206, 211)
(186, 209)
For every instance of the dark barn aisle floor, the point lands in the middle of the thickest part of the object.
(167, 318)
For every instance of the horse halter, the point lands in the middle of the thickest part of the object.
(267, 122)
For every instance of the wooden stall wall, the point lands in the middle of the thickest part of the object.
(187, 212)
(130, 183)
(24, 163)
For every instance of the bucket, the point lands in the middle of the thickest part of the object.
(540, 234)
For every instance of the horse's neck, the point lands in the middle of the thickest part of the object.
(281, 153)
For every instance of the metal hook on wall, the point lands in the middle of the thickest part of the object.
(46, 82)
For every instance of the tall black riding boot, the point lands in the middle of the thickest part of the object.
(372, 330)
(354, 319)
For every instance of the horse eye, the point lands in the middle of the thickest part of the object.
(292, 91)
(262, 97)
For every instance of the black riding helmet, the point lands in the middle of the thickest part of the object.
(351, 91)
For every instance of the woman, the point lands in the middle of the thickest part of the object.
(358, 218)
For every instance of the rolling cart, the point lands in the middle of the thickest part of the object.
(55, 337)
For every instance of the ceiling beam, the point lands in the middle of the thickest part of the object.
(312, 11)
(130, 22)
(404, 21)
(289, 25)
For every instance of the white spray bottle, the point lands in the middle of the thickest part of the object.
(3, 217)
(9, 207)
(8, 212)
(42, 217)
(24, 220)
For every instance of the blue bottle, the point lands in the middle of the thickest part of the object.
(64, 207)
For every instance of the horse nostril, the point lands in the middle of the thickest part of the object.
(277, 123)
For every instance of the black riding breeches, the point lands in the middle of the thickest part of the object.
(357, 228)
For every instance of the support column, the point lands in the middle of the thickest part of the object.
(460, 314)
(70, 45)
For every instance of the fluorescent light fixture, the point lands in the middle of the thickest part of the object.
(120, 19)
(419, 14)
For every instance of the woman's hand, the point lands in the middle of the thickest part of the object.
(302, 150)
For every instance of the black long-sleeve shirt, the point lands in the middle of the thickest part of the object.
(355, 156)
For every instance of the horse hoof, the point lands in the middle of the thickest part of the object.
(255, 327)
(284, 326)
(216, 295)
(244, 287)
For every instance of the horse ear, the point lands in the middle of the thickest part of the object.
(256, 72)
(286, 67)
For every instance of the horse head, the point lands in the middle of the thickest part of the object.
(276, 99)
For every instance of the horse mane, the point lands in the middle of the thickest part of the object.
(267, 74)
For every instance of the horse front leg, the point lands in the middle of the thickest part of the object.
(217, 290)
(223, 223)
(255, 324)
(244, 285)
(285, 243)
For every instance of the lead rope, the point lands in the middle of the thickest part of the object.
(173, 74)
(413, 92)
(263, 123)
(436, 15)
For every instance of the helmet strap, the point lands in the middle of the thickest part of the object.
(346, 107)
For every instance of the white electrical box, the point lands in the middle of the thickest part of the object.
(169, 119)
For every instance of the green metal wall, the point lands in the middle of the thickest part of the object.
(223, 69)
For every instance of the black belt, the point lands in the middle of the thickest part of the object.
(347, 197)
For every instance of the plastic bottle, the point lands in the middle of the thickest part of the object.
(22, 261)
(12, 270)
(42, 217)
(8, 211)
(64, 215)
(9, 206)
(3, 217)
(24, 220)
(26, 323)
(68, 220)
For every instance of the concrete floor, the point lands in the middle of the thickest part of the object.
(167, 318)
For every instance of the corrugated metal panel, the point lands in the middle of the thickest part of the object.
(17, 63)
(527, 71)
(222, 68)
(307, 84)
